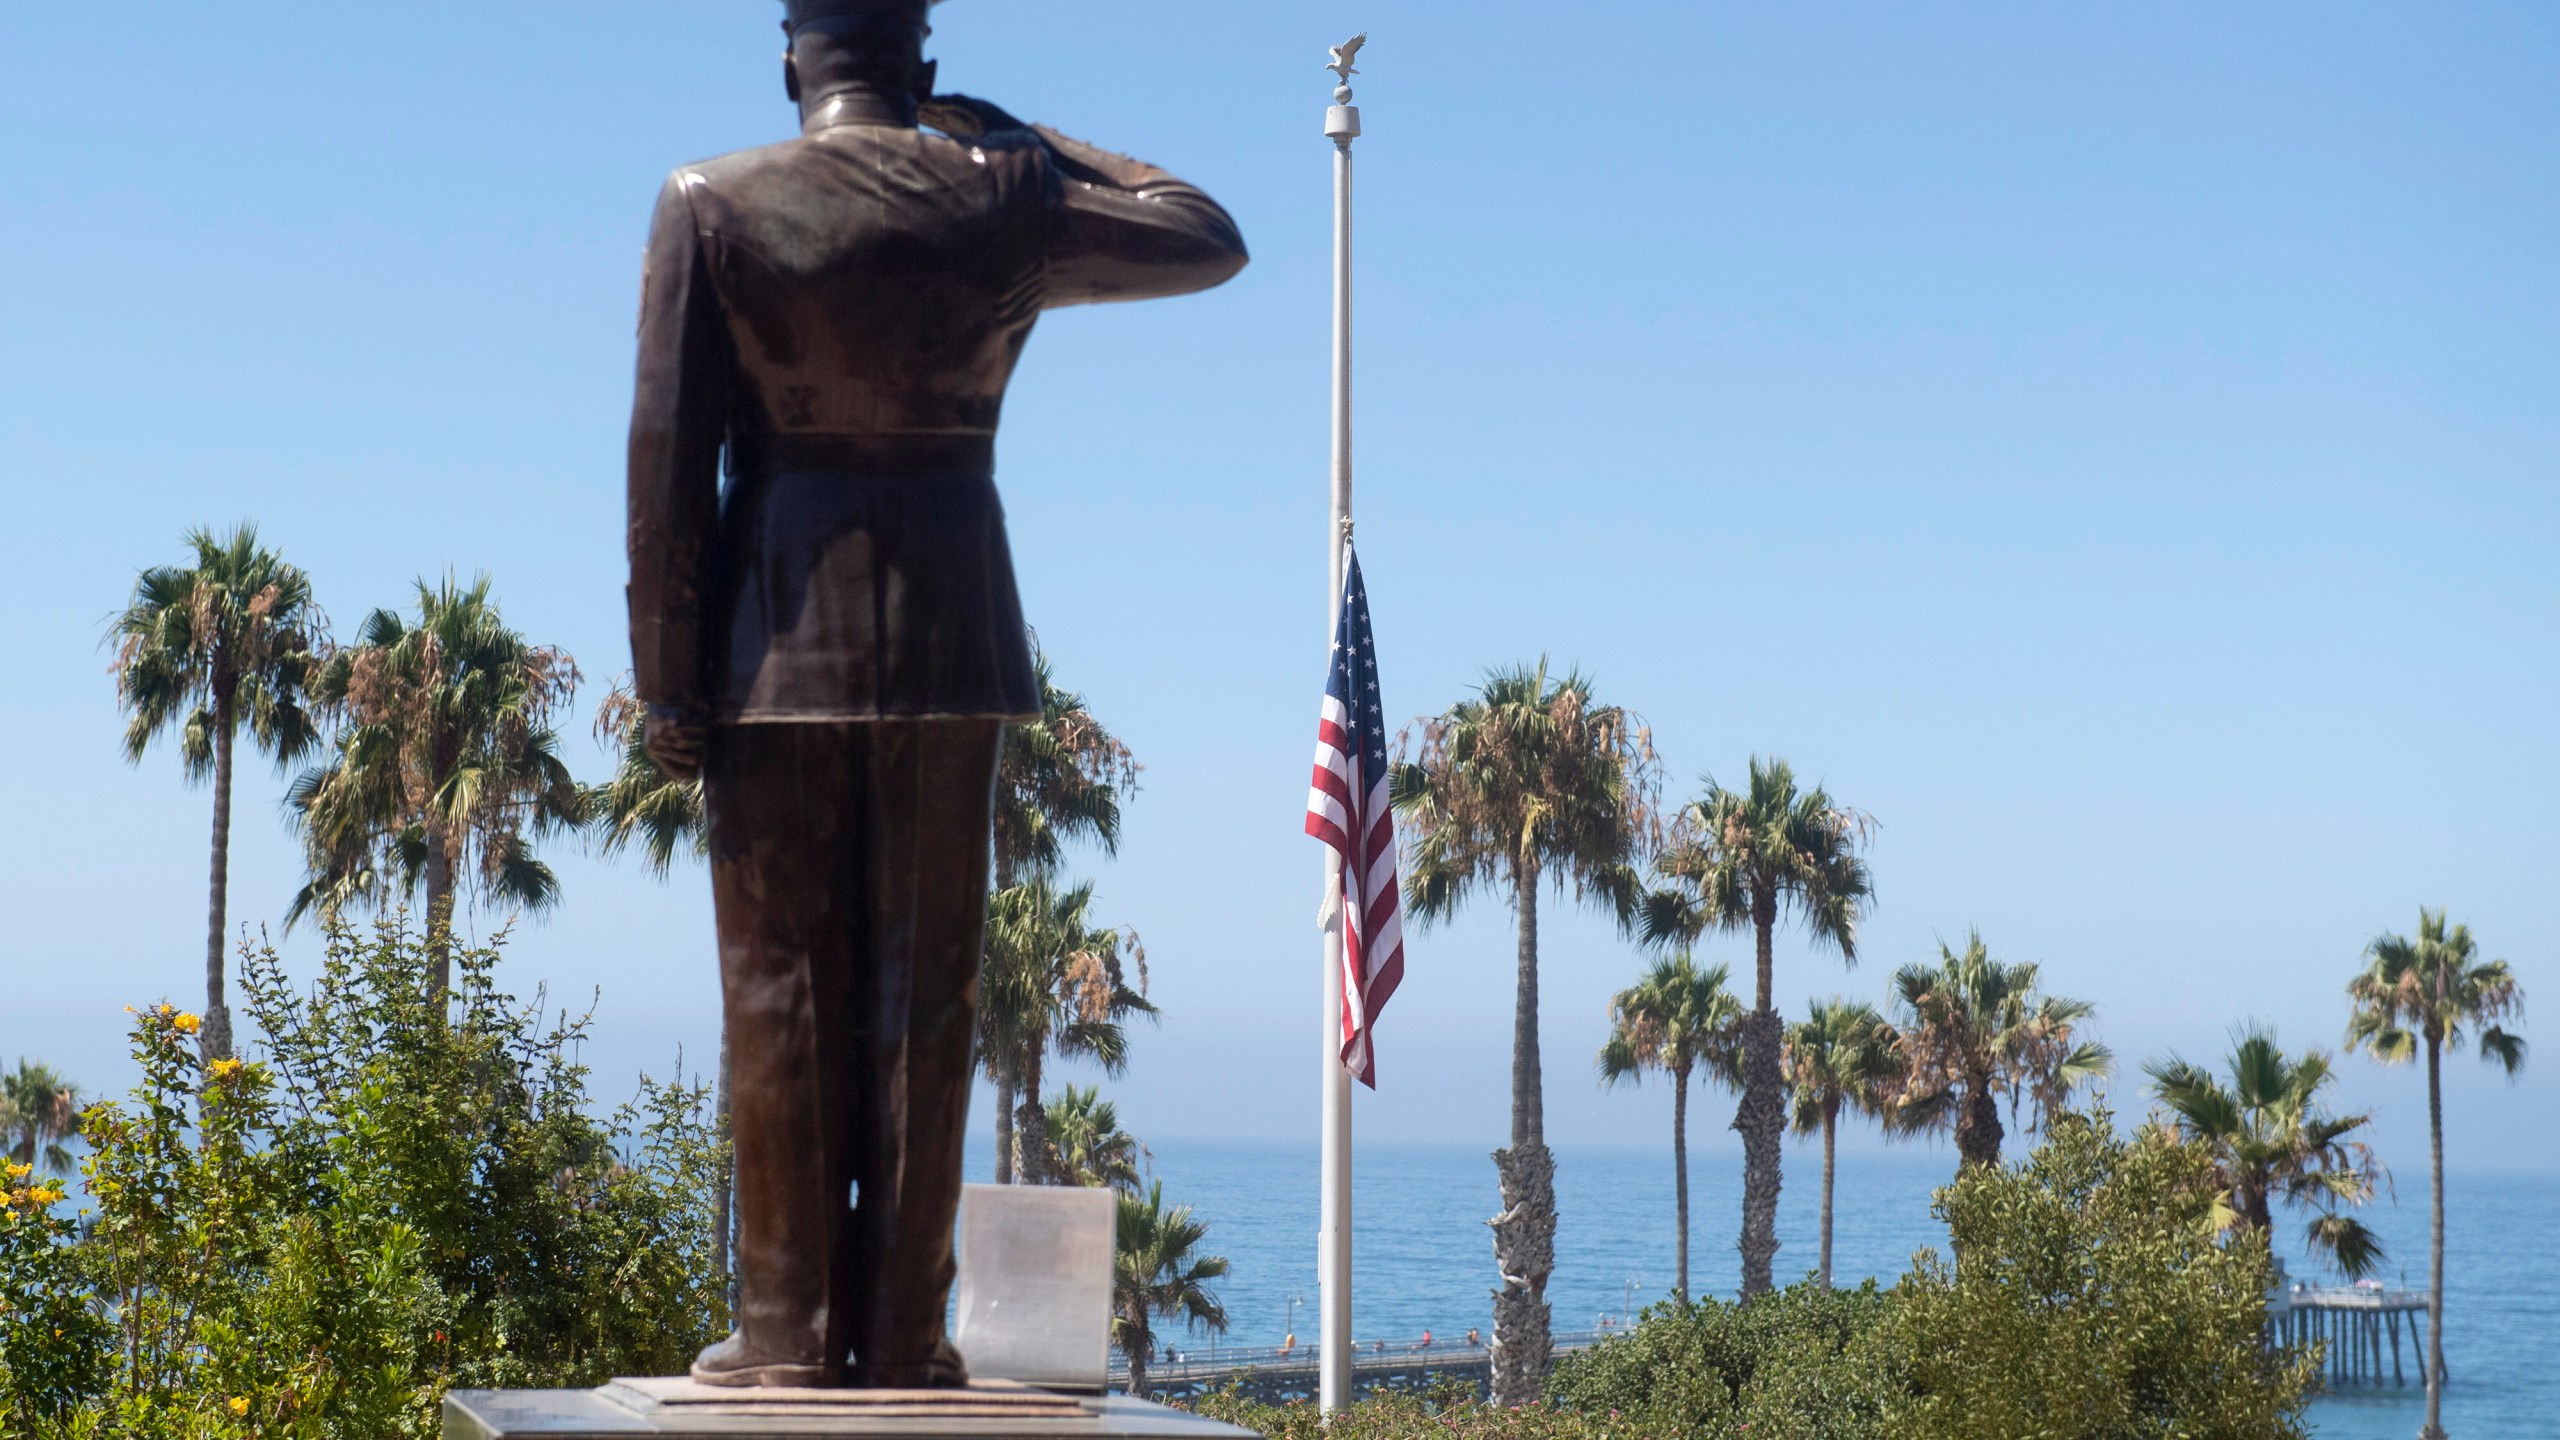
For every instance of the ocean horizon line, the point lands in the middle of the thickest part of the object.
(1941, 1151)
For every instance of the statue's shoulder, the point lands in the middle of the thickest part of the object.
(740, 165)
(746, 192)
(716, 189)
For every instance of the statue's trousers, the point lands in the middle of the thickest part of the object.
(849, 872)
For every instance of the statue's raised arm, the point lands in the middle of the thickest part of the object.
(1122, 229)
(1126, 230)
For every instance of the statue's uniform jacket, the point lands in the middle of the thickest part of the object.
(842, 312)
(838, 316)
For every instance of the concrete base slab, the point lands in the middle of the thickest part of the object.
(996, 1409)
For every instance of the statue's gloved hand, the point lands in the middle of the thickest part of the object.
(679, 736)
(965, 117)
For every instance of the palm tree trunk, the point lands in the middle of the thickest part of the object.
(1004, 1126)
(1762, 1116)
(1138, 1352)
(2434, 1428)
(2256, 1211)
(1830, 1167)
(1680, 1170)
(1528, 1088)
(439, 915)
(1524, 1234)
(1030, 1124)
(214, 1040)
(1978, 1125)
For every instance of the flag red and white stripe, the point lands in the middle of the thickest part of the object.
(1347, 809)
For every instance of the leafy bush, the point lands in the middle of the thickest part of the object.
(406, 1195)
(2089, 1298)
(1799, 1362)
(52, 1343)
(1448, 1411)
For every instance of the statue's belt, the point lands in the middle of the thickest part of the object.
(893, 452)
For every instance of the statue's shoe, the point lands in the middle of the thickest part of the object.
(734, 1362)
(943, 1369)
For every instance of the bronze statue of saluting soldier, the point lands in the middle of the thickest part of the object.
(832, 639)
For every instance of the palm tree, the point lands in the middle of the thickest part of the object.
(1092, 1149)
(1054, 982)
(2272, 1139)
(1059, 778)
(1976, 1029)
(1674, 1020)
(1843, 1056)
(643, 805)
(38, 1111)
(1155, 1275)
(445, 765)
(2428, 994)
(202, 649)
(1738, 860)
(1529, 779)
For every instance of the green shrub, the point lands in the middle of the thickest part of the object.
(403, 1197)
(2090, 1298)
(1803, 1363)
(53, 1344)
(1445, 1412)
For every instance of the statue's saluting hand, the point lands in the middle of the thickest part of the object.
(965, 117)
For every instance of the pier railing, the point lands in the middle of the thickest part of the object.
(1278, 1373)
(2359, 1327)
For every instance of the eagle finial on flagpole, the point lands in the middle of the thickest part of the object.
(1342, 53)
(1342, 122)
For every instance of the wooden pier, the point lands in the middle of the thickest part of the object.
(2352, 1322)
(1276, 1376)
(2356, 1325)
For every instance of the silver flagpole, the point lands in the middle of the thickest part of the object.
(1333, 1224)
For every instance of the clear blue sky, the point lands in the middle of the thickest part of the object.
(2115, 445)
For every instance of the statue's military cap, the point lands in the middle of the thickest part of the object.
(797, 13)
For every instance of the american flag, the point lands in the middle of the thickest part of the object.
(1347, 810)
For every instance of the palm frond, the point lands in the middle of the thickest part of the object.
(1059, 778)
(204, 647)
(2435, 988)
(1529, 778)
(2354, 1248)
(1771, 843)
(444, 739)
(1673, 1019)
(2272, 1137)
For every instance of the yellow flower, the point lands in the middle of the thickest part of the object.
(223, 1069)
(17, 1169)
(48, 1193)
(239, 1404)
(186, 1024)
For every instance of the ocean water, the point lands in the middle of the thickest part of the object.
(1422, 1257)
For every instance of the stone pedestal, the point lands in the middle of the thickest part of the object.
(678, 1407)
